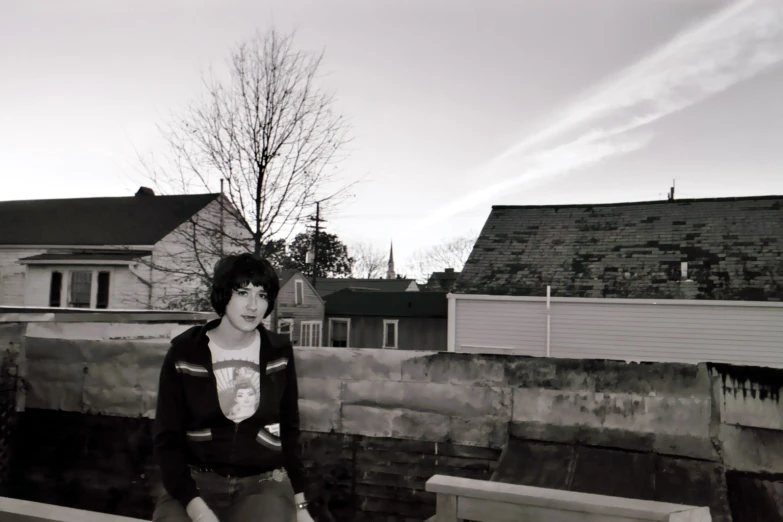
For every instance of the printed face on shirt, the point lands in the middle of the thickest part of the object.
(246, 308)
(246, 398)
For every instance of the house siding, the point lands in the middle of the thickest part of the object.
(311, 309)
(29, 284)
(13, 274)
(126, 291)
(414, 333)
(175, 251)
(505, 325)
(664, 331)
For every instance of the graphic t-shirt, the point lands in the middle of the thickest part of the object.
(238, 379)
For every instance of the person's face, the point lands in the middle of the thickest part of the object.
(246, 308)
(246, 397)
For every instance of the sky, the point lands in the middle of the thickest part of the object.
(454, 105)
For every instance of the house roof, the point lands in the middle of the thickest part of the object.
(386, 304)
(285, 275)
(733, 248)
(442, 280)
(329, 285)
(136, 220)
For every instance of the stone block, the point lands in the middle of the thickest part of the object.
(352, 363)
(445, 399)
(486, 432)
(607, 376)
(659, 414)
(11, 336)
(105, 331)
(392, 422)
(319, 389)
(751, 449)
(119, 401)
(749, 405)
(65, 396)
(456, 368)
(680, 416)
(319, 415)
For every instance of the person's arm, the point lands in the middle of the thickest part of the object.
(169, 435)
(289, 428)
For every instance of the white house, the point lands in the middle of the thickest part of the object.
(115, 253)
(675, 280)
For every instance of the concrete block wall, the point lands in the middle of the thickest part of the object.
(378, 423)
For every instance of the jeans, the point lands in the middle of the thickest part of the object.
(249, 499)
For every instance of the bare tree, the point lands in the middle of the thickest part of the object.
(272, 135)
(452, 253)
(370, 262)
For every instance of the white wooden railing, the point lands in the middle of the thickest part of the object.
(15, 510)
(485, 501)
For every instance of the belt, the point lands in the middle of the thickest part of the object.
(276, 474)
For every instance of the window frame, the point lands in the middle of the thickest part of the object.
(69, 289)
(346, 320)
(66, 280)
(298, 291)
(396, 323)
(100, 305)
(302, 337)
(290, 322)
(56, 274)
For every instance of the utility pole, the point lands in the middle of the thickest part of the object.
(317, 220)
(222, 225)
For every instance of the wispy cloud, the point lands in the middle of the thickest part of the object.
(733, 45)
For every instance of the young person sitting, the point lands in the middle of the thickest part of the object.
(226, 432)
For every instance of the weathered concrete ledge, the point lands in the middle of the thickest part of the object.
(726, 418)
(475, 399)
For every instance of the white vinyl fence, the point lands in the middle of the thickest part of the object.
(666, 330)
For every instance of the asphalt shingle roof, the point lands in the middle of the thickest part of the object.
(387, 304)
(733, 247)
(329, 285)
(136, 220)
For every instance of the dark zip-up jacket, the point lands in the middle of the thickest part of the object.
(191, 429)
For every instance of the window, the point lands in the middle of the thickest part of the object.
(311, 333)
(102, 298)
(80, 289)
(339, 332)
(298, 291)
(285, 327)
(55, 289)
(390, 333)
(684, 271)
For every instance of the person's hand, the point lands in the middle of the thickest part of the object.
(302, 515)
(198, 511)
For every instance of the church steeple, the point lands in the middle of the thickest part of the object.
(390, 272)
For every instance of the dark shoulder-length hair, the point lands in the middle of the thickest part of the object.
(237, 271)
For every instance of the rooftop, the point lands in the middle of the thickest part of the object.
(329, 285)
(386, 304)
(137, 220)
(733, 248)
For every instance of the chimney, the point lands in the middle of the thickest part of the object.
(449, 270)
(145, 191)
